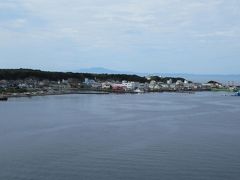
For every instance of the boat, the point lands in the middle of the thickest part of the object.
(138, 91)
(237, 93)
(3, 98)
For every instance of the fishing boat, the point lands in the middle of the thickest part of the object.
(138, 91)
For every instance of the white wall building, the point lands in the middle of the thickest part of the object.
(143, 86)
(152, 84)
(179, 82)
(106, 86)
(130, 85)
(89, 81)
(169, 81)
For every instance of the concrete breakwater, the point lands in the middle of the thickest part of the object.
(54, 94)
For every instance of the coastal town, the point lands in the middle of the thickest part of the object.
(34, 87)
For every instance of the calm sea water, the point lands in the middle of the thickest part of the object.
(129, 137)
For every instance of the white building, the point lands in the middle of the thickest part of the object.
(152, 84)
(89, 81)
(96, 85)
(172, 86)
(157, 87)
(169, 81)
(179, 82)
(130, 85)
(143, 86)
(106, 86)
(165, 86)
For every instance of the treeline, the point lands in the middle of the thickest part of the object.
(16, 74)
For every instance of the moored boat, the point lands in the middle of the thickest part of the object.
(3, 98)
(138, 91)
(237, 93)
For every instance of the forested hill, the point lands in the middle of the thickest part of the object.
(15, 74)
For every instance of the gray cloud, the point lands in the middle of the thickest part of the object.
(158, 30)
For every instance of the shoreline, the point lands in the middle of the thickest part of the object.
(91, 92)
(95, 92)
(55, 94)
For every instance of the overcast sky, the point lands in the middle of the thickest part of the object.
(167, 36)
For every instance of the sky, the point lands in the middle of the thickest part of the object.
(155, 36)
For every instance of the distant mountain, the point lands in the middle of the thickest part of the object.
(101, 70)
